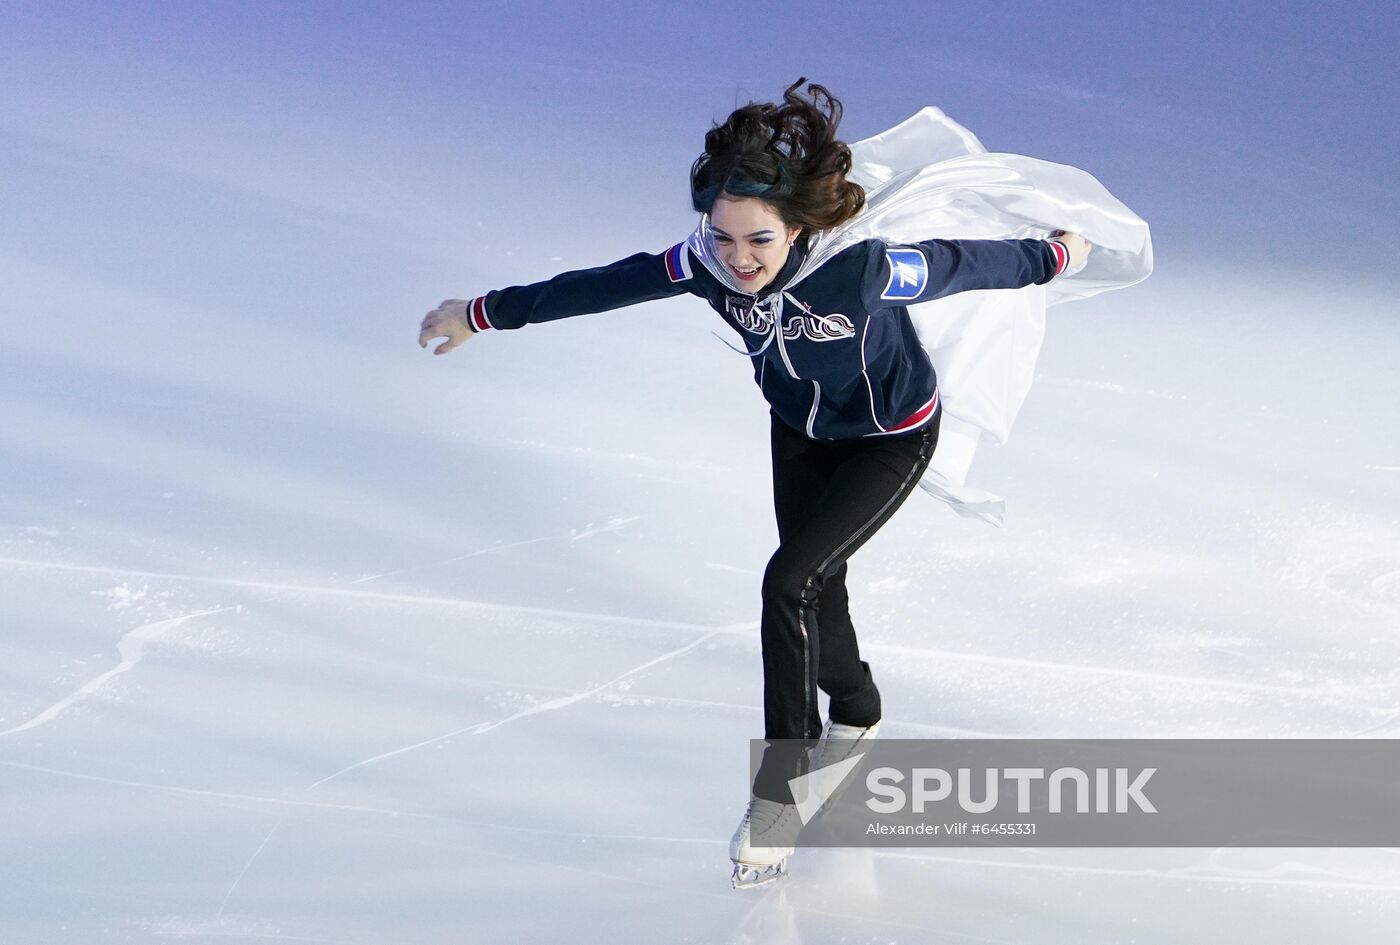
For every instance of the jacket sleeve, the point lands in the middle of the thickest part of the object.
(638, 278)
(904, 273)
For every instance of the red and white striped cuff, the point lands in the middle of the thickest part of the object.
(1061, 255)
(476, 314)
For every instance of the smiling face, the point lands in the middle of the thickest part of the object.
(752, 240)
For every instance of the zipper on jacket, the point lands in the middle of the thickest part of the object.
(869, 389)
(806, 660)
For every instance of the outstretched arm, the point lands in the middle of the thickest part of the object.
(638, 278)
(905, 273)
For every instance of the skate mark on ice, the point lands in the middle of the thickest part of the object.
(1109, 386)
(778, 891)
(1369, 582)
(131, 647)
(770, 906)
(550, 706)
(1179, 874)
(631, 460)
(1385, 725)
(613, 525)
(1381, 468)
(715, 566)
(1053, 666)
(898, 649)
(591, 873)
(462, 557)
(382, 596)
(183, 928)
(627, 698)
(216, 795)
(246, 866)
(633, 697)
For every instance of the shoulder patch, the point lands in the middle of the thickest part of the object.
(678, 263)
(908, 274)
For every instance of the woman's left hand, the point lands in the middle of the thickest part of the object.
(1077, 246)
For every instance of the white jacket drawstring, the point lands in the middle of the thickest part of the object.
(774, 313)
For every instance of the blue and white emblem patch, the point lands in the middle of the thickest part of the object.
(908, 274)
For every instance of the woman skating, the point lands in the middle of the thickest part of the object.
(853, 396)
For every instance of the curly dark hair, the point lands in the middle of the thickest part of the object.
(786, 155)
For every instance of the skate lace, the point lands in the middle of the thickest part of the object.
(764, 815)
(839, 742)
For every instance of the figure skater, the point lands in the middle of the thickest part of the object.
(853, 396)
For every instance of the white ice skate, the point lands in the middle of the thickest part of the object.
(839, 742)
(756, 862)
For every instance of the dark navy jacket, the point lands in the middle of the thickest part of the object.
(835, 353)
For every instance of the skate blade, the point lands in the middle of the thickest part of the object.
(747, 876)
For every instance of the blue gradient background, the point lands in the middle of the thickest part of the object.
(144, 138)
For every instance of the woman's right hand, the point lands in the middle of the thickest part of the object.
(448, 320)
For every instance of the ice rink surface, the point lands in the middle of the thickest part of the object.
(308, 636)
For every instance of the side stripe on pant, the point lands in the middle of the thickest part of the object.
(899, 494)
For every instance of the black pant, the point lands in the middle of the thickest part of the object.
(830, 496)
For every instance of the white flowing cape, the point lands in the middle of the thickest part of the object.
(929, 177)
